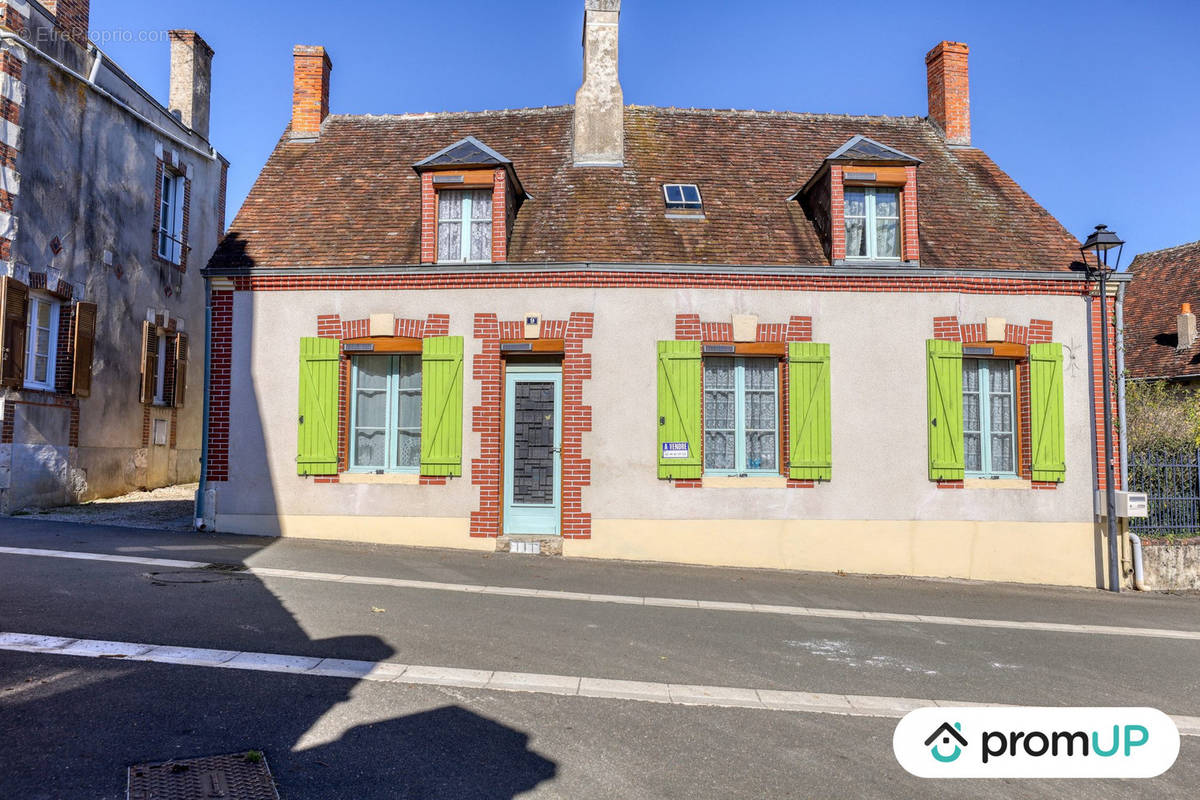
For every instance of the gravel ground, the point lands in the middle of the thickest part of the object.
(168, 508)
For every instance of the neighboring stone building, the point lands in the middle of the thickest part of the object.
(724, 337)
(109, 205)
(1161, 341)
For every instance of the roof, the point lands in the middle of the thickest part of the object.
(1162, 282)
(352, 197)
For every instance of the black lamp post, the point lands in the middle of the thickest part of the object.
(1100, 243)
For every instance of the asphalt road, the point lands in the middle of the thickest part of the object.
(69, 726)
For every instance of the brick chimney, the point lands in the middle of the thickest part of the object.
(72, 16)
(310, 90)
(1185, 324)
(599, 103)
(191, 79)
(949, 95)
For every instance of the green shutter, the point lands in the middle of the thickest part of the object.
(317, 441)
(679, 422)
(944, 364)
(441, 405)
(1048, 433)
(810, 429)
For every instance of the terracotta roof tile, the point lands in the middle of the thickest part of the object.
(352, 197)
(1162, 281)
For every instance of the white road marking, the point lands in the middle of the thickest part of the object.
(657, 602)
(569, 685)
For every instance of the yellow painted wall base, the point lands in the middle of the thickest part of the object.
(1065, 554)
(409, 531)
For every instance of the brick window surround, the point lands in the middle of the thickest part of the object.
(61, 396)
(690, 328)
(488, 369)
(1038, 331)
(910, 245)
(332, 326)
(502, 204)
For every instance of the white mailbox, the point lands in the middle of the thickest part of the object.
(1129, 505)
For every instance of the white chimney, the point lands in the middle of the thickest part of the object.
(1185, 323)
(599, 103)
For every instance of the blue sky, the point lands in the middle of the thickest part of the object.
(1093, 107)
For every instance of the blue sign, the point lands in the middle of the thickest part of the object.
(674, 449)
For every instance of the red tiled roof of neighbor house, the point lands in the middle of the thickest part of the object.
(351, 197)
(1162, 282)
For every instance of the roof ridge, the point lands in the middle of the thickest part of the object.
(748, 112)
(1167, 249)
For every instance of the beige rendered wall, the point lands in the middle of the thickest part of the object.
(880, 513)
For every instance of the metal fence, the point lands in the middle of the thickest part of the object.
(1171, 481)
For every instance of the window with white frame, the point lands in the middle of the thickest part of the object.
(385, 414)
(170, 217)
(682, 196)
(42, 335)
(989, 418)
(465, 225)
(741, 416)
(872, 222)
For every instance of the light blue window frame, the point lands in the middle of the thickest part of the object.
(466, 223)
(871, 222)
(395, 395)
(740, 429)
(985, 367)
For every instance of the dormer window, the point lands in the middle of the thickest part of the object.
(863, 203)
(682, 196)
(464, 225)
(469, 198)
(872, 222)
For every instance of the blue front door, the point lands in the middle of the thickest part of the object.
(532, 449)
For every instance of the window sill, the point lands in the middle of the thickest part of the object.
(997, 483)
(740, 482)
(392, 478)
(37, 387)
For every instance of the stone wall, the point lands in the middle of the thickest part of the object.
(1171, 567)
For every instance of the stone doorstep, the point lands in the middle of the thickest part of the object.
(541, 545)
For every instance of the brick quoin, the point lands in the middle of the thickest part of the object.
(837, 214)
(11, 18)
(1097, 373)
(912, 241)
(220, 376)
(689, 327)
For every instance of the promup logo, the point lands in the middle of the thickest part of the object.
(947, 732)
(1011, 742)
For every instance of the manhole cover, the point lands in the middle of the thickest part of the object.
(239, 776)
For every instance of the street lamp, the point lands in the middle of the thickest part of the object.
(1100, 243)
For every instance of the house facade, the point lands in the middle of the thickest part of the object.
(799, 341)
(110, 203)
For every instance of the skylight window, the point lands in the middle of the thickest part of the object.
(682, 196)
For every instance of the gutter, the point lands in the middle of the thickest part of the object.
(800, 270)
(90, 82)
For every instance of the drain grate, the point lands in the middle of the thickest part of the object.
(239, 776)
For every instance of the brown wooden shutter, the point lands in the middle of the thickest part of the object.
(83, 341)
(149, 361)
(181, 361)
(14, 320)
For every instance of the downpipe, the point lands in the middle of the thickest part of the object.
(1135, 544)
(202, 489)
